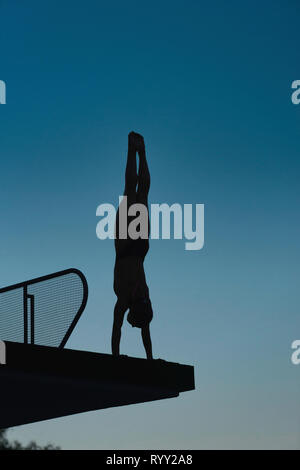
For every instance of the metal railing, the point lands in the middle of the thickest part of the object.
(44, 310)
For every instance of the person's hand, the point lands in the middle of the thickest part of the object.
(136, 141)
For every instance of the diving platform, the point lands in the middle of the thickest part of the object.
(42, 382)
(40, 379)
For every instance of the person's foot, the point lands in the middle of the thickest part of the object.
(137, 141)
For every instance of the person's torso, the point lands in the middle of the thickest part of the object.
(129, 277)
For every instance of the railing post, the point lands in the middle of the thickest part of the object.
(25, 311)
(31, 298)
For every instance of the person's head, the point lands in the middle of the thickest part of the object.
(140, 312)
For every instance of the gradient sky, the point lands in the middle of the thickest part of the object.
(208, 84)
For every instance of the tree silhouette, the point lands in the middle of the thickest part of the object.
(5, 444)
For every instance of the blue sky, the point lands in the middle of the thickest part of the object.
(209, 87)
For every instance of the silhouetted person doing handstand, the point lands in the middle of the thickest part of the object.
(129, 277)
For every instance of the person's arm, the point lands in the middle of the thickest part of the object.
(119, 312)
(147, 341)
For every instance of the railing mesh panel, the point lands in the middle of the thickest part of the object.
(56, 303)
(12, 316)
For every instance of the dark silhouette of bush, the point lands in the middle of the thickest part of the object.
(5, 444)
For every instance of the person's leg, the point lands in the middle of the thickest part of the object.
(143, 177)
(131, 179)
(144, 187)
(131, 171)
(119, 313)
